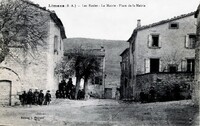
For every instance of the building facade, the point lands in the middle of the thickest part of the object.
(196, 92)
(35, 71)
(126, 87)
(163, 47)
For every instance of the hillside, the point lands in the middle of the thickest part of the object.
(113, 49)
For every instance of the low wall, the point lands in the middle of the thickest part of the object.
(161, 81)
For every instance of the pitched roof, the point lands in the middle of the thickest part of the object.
(197, 11)
(53, 16)
(159, 23)
(89, 52)
(125, 51)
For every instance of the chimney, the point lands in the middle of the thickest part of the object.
(138, 23)
(102, 48)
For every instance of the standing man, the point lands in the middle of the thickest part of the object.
(47, 98)
(41, 97)
(29, 97)
(36, 97)
(24, 98)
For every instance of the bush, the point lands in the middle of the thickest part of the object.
(167, 92)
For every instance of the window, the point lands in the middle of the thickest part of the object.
(154, 41)
(172, 68)
(173, 25)
(190, 41)
(154, 65)
(56, 44)
(190, 65)
(97, 80)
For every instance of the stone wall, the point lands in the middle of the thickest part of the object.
(162, 80)
(196, 91)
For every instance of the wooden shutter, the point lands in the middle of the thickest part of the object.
(147, 65)
(179, 67)
(159, 41)
(160, 65)
(183, 65)
(149, 40)
(187, 43)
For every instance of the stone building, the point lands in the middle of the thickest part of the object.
(161, 51)
(96, 85)
(126, 88)
(196, 92)
(34, 71)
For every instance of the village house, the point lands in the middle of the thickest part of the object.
(36, 71)
(126, 88)
(96, 84)
(162, 54)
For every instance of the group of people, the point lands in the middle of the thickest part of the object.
(35, 98)
(66, 90)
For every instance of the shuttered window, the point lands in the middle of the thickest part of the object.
(147, 65)
(183, 65)
(154, 41)
(190, 41)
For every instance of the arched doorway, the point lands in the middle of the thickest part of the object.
(5, 92)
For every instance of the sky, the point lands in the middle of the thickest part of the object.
(116, 21)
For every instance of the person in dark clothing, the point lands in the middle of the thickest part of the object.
(29, 97)
(62, 88)
(57, 94)
(41, 97)
(81, 94)
(70, 84)
(47, 98)
(36, 97)
(24, 98)
(65, 94)
(72, 93)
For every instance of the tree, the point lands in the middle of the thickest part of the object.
(65, 68)
(22, 26)
(174, 58)
(85, 66)
(91, 68)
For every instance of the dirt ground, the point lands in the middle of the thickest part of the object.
(101, 112)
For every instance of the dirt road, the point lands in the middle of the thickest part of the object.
(95, 112)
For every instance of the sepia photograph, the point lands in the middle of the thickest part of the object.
(99, 62)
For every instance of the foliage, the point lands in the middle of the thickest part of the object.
(174, 58)
(22, 26)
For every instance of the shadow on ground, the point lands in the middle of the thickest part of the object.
(183, 116)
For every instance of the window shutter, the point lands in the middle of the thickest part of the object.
(159, 42)
(187, 43)
(149, 41)
(179, 67)
(183, 65)
(160, 65)
(167, 68)
(147, 65)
